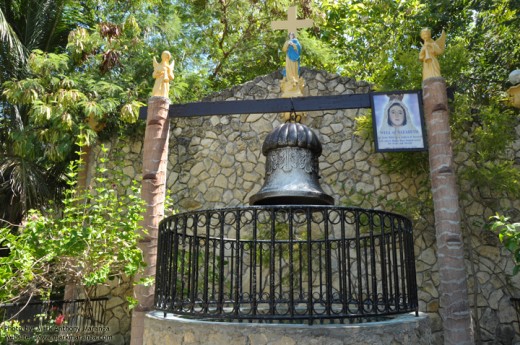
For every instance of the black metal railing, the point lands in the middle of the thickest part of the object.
(81, 313)
(286, 263)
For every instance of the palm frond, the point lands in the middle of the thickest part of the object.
(7, 35)
(45, 16)
(25, 185)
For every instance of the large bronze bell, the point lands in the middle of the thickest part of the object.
(291, 168)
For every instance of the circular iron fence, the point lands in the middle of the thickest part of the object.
(286, 263)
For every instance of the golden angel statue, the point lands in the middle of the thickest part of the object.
(163, 74)
(429, 52)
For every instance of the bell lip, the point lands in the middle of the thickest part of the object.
(295, 198)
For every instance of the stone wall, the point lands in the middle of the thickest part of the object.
(117, 313)
(216, 161)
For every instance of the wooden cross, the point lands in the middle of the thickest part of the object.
(292, 24)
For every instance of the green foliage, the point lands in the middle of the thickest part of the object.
(364, 127)
(374, 36)
(60, 93)
(497, 178)
(190, 263)
(295, 242)
(509, 235)
(488, 129)
(9, 330)
(45, 331)
(93, 238)
(380, 41)
(405, 163)
(281, 232)
(494, 50)
(417, 206)
(30, 24)
(484, 132)
(231, 43)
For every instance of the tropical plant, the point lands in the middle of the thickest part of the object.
(26, 25)
(509, 235)
(46, 102)
(92, 239)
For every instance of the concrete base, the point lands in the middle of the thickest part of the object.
(174, 330)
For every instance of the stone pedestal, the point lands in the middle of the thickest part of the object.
(404, 329)
(291, 89)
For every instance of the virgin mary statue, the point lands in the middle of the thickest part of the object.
(292, 58)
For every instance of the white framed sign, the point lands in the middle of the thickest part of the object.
(398, 121)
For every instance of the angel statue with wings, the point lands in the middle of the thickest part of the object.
(429, 52)
(163, 73)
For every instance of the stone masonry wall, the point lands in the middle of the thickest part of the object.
(403, 330)
(117, 313)
(216, 161)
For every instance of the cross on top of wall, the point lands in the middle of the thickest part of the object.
(292, 24)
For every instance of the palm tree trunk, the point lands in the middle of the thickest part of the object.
(155, 159)
(453, 289)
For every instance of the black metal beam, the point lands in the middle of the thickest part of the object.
(276, 105)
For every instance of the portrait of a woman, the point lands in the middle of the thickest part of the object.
(396, 116)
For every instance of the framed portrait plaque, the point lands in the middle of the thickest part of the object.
(398, 121)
